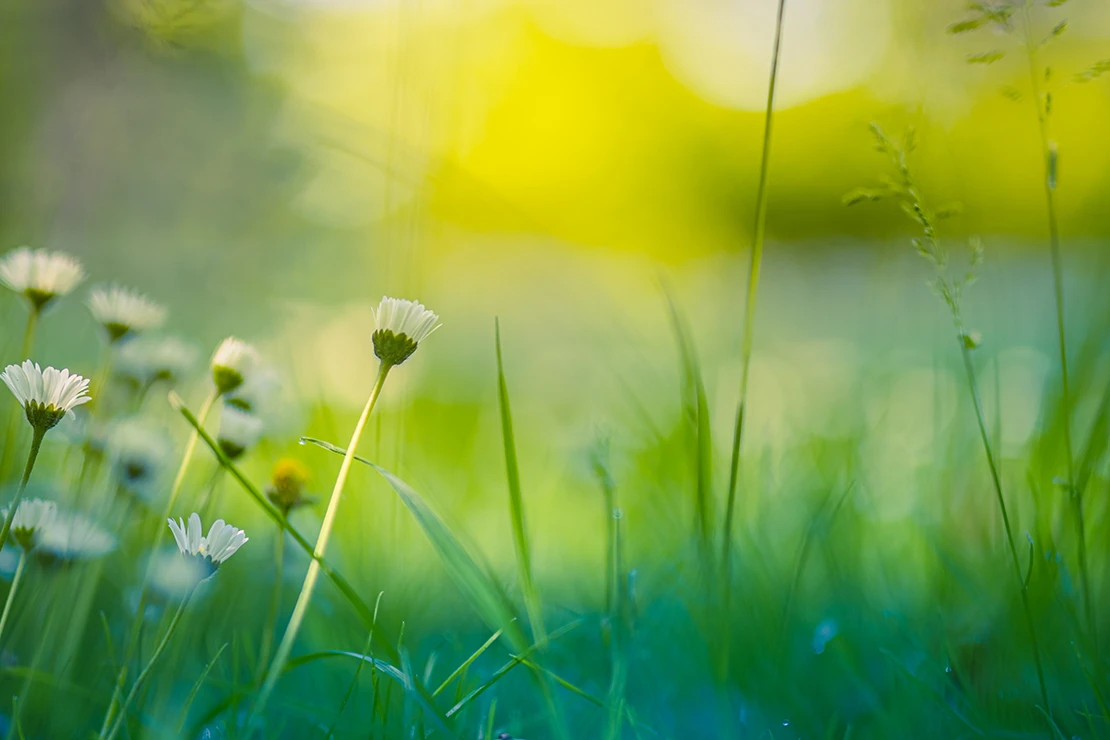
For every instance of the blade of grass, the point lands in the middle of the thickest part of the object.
(696, 411)
(196, 688)
(466, 663)
(516, 500)
(348, 592)
(462, 565)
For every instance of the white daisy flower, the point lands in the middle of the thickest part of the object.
(123, 311)
(138, 453)
(148, 360)
(46, 395)
(72, 537)
(32, 517)
(222, 542)
(40, 276)
(257, 390)
(400, 326)
(239, 431)
(232, 364)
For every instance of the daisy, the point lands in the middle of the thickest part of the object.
(239, 431)
(222, 542)
(146, 361)
(40, 276)
(32, 517)
(287, 484)
(257, 389)
(46, 395)
(72, 537)
(400, 326)
(232, 364)
(138, 453)
(122, 311)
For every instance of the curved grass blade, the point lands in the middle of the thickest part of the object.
(196, 688)
(341, 583)
(462, 564)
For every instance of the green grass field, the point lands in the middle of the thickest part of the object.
(732, 426)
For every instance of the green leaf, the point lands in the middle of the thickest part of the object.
(1093, 72)
(986, 57)
(966, 25)
(463, 565)
(1059, 28)
(1055, 3)
(1010, 92)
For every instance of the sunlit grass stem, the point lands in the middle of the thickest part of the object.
(11, 592)
(754, 269)
(1048, 156)
(309, 585)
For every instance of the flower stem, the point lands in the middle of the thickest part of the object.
(275, 605)
(17, 411)
(973, 387)
(190, 448)
(36, 443)
(309, 585)
(11, 592)
(150, 665)
(136, 624)
(1058, 291)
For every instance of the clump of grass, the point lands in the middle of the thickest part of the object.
(950, 287)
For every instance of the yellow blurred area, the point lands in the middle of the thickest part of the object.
(638, 125)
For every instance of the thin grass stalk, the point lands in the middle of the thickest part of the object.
(141, 679)
(520, 539)
(267, 643)
(516, 501)
(1048, 155)
(136, 625)
(754, 269)
(309, 585)
(996, 479)
(11, 592)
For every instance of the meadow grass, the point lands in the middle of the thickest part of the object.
(855, 578)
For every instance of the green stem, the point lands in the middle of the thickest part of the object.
(11, 592)
(136, 624)
(1058, 291)
(17, 410)
(754, 270)
(275, 606)
(753, 285)
(36, 443)
(29, 334)
(149, 666)
(309, 585)
(973, 387)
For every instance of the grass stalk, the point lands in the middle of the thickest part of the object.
(32, 456)
(996, 479)
(136, 625)
(1048, 156)
(754, 269)
(267, 642)
(309, 585)
(11, 592)
(145, 673)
